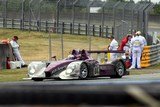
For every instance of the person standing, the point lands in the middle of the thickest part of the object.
(142, 37)
(125, 46)
(16, 53)
(112, 47)
(125, 43)
(136, 49)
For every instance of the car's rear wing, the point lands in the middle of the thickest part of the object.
(103, 56)
(105, 51)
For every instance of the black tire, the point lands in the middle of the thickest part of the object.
(119, 69)
(37, 79)
(83, 71)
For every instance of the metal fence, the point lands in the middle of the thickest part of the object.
(119, 18)
(27, 14)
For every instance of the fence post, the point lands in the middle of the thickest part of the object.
(21, 24)
(70, 28)
(100, 31)
(12, 23)
(3, 22)
(86, 28)
(22, 15)
(63, 28)
(107, 31)
(54, 27)
(38, 29)
(79, 28)
(46, 26)
(93, 30)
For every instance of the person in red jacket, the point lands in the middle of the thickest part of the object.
(125, 46)
(125, 43)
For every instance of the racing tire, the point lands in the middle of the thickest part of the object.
(37, 79)
(119, 69)
(83, 71)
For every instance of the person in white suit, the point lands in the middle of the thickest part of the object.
(142, 37)
(137, 45)
(112, 47)
(16, 53)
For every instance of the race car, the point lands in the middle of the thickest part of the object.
(79, 65)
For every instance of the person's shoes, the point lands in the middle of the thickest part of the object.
(24, 65)
(131, 68)
(139, 68)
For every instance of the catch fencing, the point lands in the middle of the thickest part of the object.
(36, 15)
(120, 18)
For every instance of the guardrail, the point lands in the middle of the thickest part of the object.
(63, 27)
(150, 55)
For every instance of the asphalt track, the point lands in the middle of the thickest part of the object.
(137, 90)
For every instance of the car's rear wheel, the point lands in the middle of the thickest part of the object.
(119, 69)
(83, 71)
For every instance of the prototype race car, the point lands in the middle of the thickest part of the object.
(79, 65)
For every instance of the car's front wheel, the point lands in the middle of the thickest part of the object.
(83, 71)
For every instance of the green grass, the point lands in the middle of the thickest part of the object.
(8, 75)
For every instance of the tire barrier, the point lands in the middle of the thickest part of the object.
(150, 55)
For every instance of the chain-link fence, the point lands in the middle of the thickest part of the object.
(97, 18)
(28, 14)
(102, 18)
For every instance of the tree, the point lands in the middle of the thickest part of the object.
(157, 9)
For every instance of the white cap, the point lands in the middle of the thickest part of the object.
(138, 32)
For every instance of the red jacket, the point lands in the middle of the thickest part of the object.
(123, 43)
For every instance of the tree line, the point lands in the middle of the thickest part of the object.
(156, 9)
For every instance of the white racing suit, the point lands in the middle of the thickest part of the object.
(16, 52)
(113, 46)
(143, 39)
(136, 49)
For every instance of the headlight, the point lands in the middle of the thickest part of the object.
(68, 71)
(71, 66)
(31, 69)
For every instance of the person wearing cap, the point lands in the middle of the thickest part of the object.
(142, 37)
(136, 50)
(112, 47)
(16, 53)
